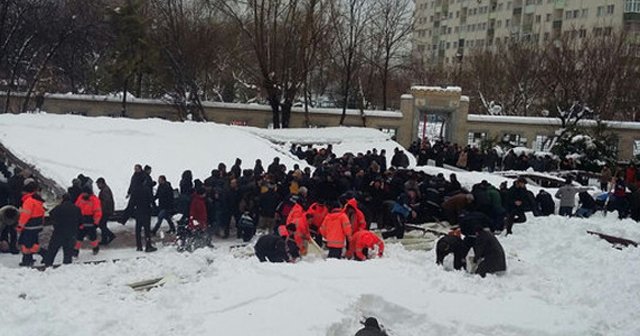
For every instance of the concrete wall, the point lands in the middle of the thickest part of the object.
(245, 114)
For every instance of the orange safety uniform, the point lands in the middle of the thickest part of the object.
(30, 223)
(319, 212)
(364, 239)
(335, 229)
(90, 208)
(302, 235)
(357, 220)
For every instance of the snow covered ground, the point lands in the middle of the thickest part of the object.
(560, 280)
(63, 146)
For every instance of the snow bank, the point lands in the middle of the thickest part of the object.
(561, 281)
(62, 146)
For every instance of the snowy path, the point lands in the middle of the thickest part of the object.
(561, 281)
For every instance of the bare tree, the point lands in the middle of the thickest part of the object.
(391, 26)
(282, 35)
(350, 19)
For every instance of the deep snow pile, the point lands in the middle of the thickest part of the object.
(560, 281)
(62, 146)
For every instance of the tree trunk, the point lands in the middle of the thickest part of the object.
(385, 79)
(286, 113)
(123, 112)
(345, 97)
(275, 110)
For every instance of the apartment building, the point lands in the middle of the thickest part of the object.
(447, 30)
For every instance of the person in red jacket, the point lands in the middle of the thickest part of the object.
(356, 217)
(91, 209)
(336, 229)
(198, 210)
(362, 242)
(30, 223)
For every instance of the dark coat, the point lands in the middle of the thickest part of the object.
(106, 200)
(277, 248)
(489, 253)
(545, 204)
(66, 219)
(370, 331)
(267, 203)
(164, 195)
(452, 244)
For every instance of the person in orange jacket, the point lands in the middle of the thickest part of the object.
(362, 242)
(30, 223)
(91, 209)
(302, 234)
(356, 217)
(336, 229)
(319, 211)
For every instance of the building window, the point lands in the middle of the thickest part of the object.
(499, 24)
(576, 14)
(583, 33)
(607, 31)
(514, 139)
(567, 15)
(475, 138)
(632, 6)
(538, 145)
(538, 18)
(636, 147)
(585, 13)
(610, 9)
(600, 11)
(548, 19)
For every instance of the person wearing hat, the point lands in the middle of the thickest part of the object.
(279, 247)
(371, 328)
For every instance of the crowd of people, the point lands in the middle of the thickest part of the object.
(336, 207)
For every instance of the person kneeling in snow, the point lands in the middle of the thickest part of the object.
(452, 243)
(278, 248)
(363, 242)
(489, 255)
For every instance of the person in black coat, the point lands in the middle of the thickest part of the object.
(545, 204)
(141, 201)
(452, 244)
(66, 220)
(108, 208)
(371, 328)
(518, 199)
(275, 248)
(635, 203)
(489, 254)
(164, 195)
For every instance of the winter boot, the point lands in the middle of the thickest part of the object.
(27, 260)
(43, 254)
(150, 247)
(76, 253)
(96, 250)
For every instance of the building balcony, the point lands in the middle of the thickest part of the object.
(559, 4)
(631, 17)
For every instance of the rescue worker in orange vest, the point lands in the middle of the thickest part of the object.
(319, 212)
(336, 229)
(91, 210)
(356, 217)
(363, 242)
(30, 222)
(302, 234)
